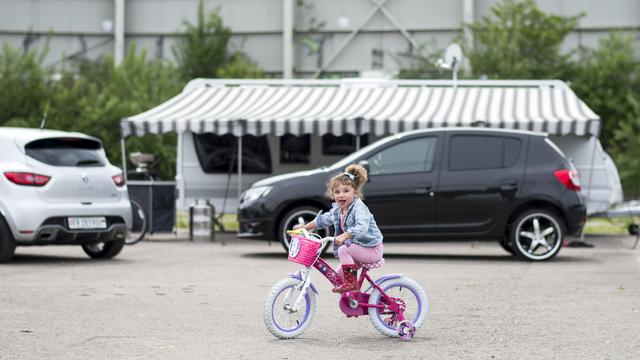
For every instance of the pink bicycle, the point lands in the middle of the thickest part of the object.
(396, 305)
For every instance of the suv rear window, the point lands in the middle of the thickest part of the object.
(473, 152)
(66, 152)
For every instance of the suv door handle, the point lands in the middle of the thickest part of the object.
(423, 189)
(508, 185)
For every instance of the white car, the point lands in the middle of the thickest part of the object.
(58, 188)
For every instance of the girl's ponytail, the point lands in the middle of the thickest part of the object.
(360, 174)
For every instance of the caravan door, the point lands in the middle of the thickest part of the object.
(402, 180)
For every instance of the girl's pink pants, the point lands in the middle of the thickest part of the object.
(355, 252)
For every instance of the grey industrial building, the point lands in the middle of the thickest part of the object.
(287, 38)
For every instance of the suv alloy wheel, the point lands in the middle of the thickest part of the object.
(307, 212)
(537, 234)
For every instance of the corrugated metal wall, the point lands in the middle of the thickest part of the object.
(80, 27)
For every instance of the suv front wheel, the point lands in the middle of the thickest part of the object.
(537, 235)
(306, 213)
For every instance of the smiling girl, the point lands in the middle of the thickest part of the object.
(357, 237)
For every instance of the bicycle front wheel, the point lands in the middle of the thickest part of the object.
(138, 224)
(414, 298)
(280, 317)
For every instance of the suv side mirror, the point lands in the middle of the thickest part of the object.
(365, 165)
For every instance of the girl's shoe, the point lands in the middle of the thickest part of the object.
(350, 283)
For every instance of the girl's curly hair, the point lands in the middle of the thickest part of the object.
(353, 175)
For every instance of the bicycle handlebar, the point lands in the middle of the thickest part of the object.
(304, 232)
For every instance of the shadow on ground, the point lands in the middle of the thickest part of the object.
(21, 259)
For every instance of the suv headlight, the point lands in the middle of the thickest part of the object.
(254, 194)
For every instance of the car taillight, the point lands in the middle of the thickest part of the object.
(568, 178)
(118, 180)
(28, 179)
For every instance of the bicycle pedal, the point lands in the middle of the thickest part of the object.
(353, 303)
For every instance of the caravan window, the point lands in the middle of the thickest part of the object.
(218, 153)
(295, 149)
(342, 145)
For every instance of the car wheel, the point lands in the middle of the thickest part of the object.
(537, 235)
(291, 218)
(7, 242)
(104, 250)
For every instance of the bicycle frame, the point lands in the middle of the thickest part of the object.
(354, 303)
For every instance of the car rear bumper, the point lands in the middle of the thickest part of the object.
(576, 219)
(28, 219)
(55, 234)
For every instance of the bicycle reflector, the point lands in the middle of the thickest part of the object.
(568, 178)
(118, 179)
(27, 179)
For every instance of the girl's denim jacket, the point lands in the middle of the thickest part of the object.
(359, 222)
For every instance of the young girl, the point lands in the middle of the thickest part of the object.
(357, 237)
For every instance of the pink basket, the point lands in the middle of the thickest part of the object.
(303, 250)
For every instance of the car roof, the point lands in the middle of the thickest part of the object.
(24, 135)
(474, 129)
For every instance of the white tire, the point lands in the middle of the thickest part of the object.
(283, 322)
(409, 291)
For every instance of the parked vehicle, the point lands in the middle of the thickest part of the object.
(58, 188)
(512, 186)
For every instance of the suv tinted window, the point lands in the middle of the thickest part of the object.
(511, 152)
(472, 152)
(66, 152)
(409, 156)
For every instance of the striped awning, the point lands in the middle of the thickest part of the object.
(259, 107)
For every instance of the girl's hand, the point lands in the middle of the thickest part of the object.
(340, 239)
(298, 226)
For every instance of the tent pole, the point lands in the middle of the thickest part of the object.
(358, 122)
(182, 196)
(123, 154)
(239, 164)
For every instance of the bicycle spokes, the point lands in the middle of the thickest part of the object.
(285, 315)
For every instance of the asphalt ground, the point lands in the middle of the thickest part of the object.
(175, 299)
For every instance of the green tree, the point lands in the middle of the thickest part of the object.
(423, 64)
(519, 41)
(203, 51)
(109, 93)
(23, 86)
(604, 79)
(608, 80)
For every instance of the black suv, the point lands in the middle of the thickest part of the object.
(512, 186)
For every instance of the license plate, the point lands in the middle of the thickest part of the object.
(99, 222)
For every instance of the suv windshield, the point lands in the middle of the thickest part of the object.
(66, 152)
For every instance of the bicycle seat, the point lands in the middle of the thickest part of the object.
(369, 266)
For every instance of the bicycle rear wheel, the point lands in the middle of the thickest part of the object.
(138, 224)
(414, 298)
(279, 316)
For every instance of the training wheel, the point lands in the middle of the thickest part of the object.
(406, 330)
